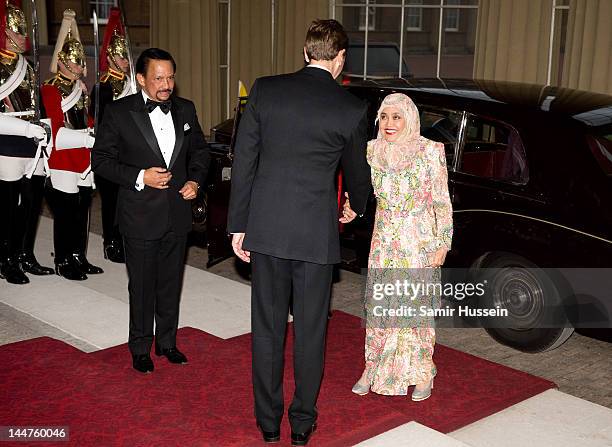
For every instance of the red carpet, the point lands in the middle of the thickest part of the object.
(209, 401)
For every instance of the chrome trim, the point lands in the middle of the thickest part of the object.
(460, 141)
(536, 219)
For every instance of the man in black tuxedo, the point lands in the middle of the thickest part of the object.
(152, 146)
(294, 132)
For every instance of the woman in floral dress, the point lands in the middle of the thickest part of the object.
(413, 229)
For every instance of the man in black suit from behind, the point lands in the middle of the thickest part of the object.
(283, 214)
(152, 146)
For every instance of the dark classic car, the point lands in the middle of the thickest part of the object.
(530, 179)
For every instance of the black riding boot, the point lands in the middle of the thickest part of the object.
(113, 242)
(64, 207)
(32, 191)
(10, 269)
(82, 234)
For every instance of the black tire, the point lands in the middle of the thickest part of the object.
(199, 212)
(531, 297)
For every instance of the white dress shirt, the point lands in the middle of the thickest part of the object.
(163, 126)
(319, 66)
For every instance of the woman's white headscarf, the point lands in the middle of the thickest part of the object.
(396, 156)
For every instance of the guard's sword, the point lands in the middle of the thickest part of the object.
(129, 47)
(96, 92)
(36, 63)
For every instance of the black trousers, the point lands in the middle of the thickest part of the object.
(155, 272)
(108, 195)
(70, 221)
(273, 281)
(20, 202)
(28, 213)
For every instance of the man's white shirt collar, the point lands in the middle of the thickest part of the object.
(145, 96)
(319, 66)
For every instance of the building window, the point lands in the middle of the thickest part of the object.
(414, 17)
(371, 17)
(102, 8)
(451, 19)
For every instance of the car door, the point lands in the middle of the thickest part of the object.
(218, 192)
(489, 188)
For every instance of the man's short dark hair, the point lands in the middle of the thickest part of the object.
(325, 39)
(142, 64)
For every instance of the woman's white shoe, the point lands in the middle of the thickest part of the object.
(419, 395)
(360, 389)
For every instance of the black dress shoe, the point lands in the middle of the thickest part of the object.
(11, 271)
(85, 266)
(172, 354)
(113, 251)
(303, 438)
(69, 270)
(269, 437)
(29, 264)
(143, 363)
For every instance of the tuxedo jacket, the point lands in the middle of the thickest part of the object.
(126, 143)
(294, 132)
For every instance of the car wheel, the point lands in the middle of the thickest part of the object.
(199, 211)
(533, 300)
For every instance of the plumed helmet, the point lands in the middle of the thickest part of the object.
(72, 51)
(68, 47)
(12, 18)
(114, 43)
(15, 20)
(117, 46)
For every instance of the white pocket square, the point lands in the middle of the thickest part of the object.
(186, 127)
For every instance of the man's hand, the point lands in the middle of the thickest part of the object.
(348, 215)
(237, 239)
(157, 178)
(36, 131)
(190, 190)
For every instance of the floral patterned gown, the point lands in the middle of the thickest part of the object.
(413, 218)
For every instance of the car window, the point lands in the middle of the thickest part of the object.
(493, 150)
(441, 125)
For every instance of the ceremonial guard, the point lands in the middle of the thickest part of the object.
(22, 149)
(66, 102)
(116, 81)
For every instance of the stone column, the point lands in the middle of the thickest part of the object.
(512, 40)
(588, 58)
(189, 30)
(293, 19)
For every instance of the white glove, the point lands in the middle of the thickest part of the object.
(72, 139)
(90, 140)
(36, 131)
(10, 125)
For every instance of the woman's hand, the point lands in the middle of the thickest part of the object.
(438, 257)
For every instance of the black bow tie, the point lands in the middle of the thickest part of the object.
(163, 106)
